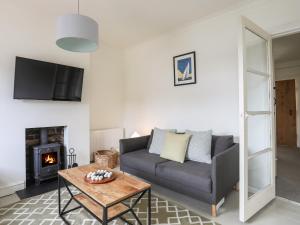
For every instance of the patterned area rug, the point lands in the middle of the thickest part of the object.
(43, 210)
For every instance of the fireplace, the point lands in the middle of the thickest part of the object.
(46, 162)
(49, 159)
(45, 154)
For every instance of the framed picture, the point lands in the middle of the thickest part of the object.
(184, 69)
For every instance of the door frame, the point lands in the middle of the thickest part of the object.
(275, 32)
(261, 198)
(279, 34)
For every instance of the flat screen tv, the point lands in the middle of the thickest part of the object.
(47, 81)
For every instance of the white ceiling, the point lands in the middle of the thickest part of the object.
(126, 22)
(286, 48)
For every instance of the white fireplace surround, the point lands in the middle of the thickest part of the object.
(27, 114)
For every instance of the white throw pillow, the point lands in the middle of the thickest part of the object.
(158, 140)
(199, 148)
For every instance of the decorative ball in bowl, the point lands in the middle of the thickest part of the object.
(100, 176)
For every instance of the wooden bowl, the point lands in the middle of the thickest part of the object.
(105, 180)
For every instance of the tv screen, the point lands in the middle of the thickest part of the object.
(47, 81)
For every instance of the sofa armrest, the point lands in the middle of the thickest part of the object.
(225, 172)
(133, 144)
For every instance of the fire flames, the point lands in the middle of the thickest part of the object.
(50, 160)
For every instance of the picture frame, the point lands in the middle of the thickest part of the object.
(184, 66)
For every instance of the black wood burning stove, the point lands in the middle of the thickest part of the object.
(46, 159)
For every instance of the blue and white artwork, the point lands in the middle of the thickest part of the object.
(184, 69)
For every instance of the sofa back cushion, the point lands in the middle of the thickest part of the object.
(199, 148)
(220, 144)
(158, 140)
(175, 147)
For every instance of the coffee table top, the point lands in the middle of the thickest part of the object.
(106, 194)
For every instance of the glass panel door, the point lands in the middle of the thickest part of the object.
(257, 176)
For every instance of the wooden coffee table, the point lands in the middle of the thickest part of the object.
(104, 201)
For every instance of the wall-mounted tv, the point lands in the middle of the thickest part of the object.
(47, 81)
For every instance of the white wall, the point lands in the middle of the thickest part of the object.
(287, 71)
(29, 34)
(106, 89)
(151, 98)
(106, 97)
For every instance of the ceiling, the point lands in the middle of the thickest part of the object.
(286, 48)
(126, 22)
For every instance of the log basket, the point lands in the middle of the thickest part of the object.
(106, 158)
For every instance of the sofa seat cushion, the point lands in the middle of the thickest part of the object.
(191, 173)
(142, 160)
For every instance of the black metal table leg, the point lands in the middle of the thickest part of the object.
(104, 218)
(149, 206)
(125, 221)
(59, 204)
(136, 218)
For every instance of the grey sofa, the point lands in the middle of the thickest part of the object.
(206, 182)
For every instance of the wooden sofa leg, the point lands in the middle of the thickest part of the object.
(214, 210)
(236, 187)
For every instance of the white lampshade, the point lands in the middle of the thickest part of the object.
(77, 33)
(135, 134)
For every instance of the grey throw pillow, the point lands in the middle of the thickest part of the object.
(158, 140)
(199, 148)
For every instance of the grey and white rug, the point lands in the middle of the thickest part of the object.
(43, 210)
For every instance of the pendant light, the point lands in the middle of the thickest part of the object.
(77, 33)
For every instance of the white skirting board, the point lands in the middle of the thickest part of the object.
(106, 139)
(11, 189)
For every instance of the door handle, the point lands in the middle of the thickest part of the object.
(291, 112)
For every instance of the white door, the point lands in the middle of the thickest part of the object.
(257, 146)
